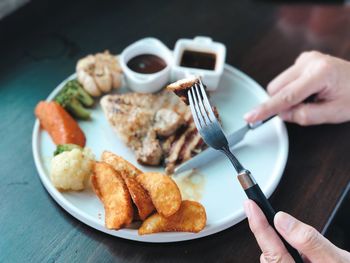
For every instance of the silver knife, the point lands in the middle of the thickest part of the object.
(209, 154)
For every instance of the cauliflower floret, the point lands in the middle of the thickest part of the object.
(71, 169)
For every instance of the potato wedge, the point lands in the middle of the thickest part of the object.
(191, 217)
(112, 191)
(140, 198)
(120, 164)
(138, 194)
(164, 192)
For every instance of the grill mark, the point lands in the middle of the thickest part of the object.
(191, 143)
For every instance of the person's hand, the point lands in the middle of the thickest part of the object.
(310, 243)
(314, 73)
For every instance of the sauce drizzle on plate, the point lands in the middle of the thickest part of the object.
(191, 185)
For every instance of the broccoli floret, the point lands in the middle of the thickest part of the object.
(65, 147)
(73, 98)
(80, 93)
(77, 109)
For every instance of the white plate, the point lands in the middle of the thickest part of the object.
(264, 151)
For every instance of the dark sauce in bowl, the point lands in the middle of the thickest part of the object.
(146, 64)
(196, 59)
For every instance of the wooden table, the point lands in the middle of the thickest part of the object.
(40, 45)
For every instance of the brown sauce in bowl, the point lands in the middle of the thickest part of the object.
(146, 64)
(196, 59)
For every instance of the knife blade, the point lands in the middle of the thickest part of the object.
(210, 154)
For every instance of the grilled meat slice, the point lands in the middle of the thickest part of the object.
(185, 145)
(175, 149)
(150, 152)
(193, 145)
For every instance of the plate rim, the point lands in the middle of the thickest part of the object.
(169, 237)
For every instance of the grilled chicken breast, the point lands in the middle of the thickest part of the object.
(158, 127)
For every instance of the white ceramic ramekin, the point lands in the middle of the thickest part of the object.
(146, 83)
(210, 78)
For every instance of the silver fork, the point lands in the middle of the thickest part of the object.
(211, 131)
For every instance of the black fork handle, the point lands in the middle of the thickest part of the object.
(254, 193)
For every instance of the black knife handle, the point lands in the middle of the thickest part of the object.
(254, 193)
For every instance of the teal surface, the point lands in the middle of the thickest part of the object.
(39, 46)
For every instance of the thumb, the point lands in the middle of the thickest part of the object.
(306, 239)
(308, 113)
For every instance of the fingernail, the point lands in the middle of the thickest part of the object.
(251, 115)
(247, 208)
(285, 221)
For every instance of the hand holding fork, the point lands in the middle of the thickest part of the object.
(210, 130)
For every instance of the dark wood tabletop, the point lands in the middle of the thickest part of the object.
(39, 46)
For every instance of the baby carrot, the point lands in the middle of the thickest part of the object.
(59, 124)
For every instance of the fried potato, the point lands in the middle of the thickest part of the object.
(164, 192)
(120, 164)
(112, 191)
(140, 198)
(191, 217)
(138, 194)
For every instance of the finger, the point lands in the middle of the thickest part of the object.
(268, 240)
(283, 79)
(291, 95)
(292, 72)
(308, 113)
(306, 239)
(308, 56)
(262, 259)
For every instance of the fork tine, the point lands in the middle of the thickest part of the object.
(206, 102)
(201, 106)
(196, 115)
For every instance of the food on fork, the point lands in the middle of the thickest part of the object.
(109, 186)
(191, 217)
(128, 172)
(164, 192)
(62, 128)
(71, 169)
(181, 87)
(74, 99)
(99, 73)
(157, 127)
